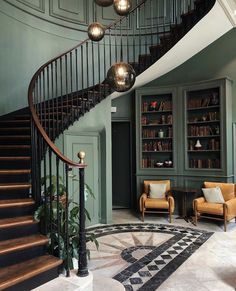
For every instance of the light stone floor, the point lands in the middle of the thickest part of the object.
(212, 267)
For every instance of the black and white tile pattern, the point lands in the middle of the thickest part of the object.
(149, 265)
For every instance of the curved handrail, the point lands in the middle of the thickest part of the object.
(31, 88)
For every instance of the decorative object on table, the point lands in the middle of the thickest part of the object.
(104, 3)
(159, 164)
(198, 145)
(153, 106)
(121, 77)
(96, 31)
(160, 133)
(162, 205)
(122, 7)
(168, 163)
(215, 99)
(225, 211)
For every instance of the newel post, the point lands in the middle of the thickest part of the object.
(82, 266)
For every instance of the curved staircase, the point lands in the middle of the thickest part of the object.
(26, 147)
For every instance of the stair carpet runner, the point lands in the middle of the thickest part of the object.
(24, 262)
(23, 256)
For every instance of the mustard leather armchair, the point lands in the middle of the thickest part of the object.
(159, 205)
(221, 211)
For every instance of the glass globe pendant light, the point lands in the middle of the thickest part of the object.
(104, 3)
(96, 31)
(122, 7)
(121, 77)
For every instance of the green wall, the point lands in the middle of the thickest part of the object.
(22, 50)
(98, 120)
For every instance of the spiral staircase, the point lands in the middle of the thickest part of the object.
(60, 92)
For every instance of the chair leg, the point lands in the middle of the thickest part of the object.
(143, 215)
(225, 216)
(195, 214)
(170, 217)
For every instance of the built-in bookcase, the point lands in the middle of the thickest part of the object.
(203, 128)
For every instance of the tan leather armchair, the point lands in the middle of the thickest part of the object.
(224, 211)
(159, 205)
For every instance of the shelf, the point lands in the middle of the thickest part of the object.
(157, 151)
(201, 108)
(163, 124)
(203, 151)
(156, 138)
(203, 136)
(162, 111)
(203, 122)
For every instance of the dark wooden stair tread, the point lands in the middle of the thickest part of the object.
(14, 171)
(21, 243)
(16, 221)
(17, 273)
(6, 203)
(12, 158)
(14, 186)
(17, 121)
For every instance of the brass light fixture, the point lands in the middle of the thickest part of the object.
(122, 7)
(121, 76)
(104, 3)
(96, 31)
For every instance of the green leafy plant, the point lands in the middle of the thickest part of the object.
(53, 216)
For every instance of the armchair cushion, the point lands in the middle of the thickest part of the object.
(157, 190)
(213, 195)
(227, 189)
(148, 182)
(156, 203)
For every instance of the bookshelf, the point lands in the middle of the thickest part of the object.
(156, 130)
(203, 120)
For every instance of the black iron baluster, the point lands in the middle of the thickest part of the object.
(134, 43)
(110, 47)
(77, 84)
(87, 76)
(59, 207)
(45, 187)
(71, 117)
(83, 268)
(66, 87)
(51, 199)
(116, 53)
(127, 38)
(51, 114)
(48, 102)
(93, 73)
(82, 79)
(57, 101)
(139, 39)
(62, 99)
(67, 222)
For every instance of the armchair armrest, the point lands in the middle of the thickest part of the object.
(142, 199)
(231, 207)
(198, 201)
(171, 202)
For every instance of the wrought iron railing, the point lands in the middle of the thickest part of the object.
(70, 84)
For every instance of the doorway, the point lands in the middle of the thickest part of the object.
(121, 165)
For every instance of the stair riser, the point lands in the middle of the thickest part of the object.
(19, 256)
(16, 211)
(15, 164)
(16, 123)
(14, 194)
(15, 131)
(35, 281)
(6, 152)
(13, 141)
(14, 178)
(14, 232)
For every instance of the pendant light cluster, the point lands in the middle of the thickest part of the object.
(121, 76)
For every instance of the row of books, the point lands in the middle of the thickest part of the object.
(203, 102)
(153, 133)
(163, 119)
(157, 146)
(204, 163)
(212, 144)
(210, 116)
(195, 130)
(156, 106)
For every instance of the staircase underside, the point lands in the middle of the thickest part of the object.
(211, 27)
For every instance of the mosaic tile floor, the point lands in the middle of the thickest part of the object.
(143, 256)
